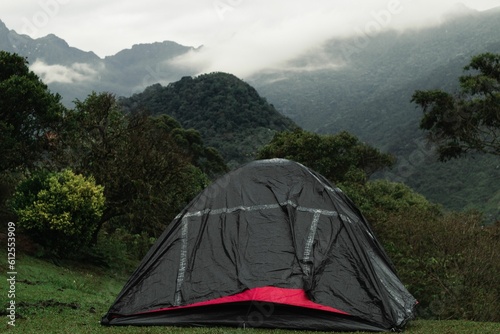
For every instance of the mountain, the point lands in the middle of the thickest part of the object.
(369, 95)
(382, 69)
(74, 73)
(51, 49)
(229, 113)
(367, 92)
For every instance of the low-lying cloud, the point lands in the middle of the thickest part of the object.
(239, 36)
(247, 41)
(77, 72)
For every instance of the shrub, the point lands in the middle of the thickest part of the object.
(380, 199)
(451, 264)
(118, 250)
(448, 261)
(60, 211)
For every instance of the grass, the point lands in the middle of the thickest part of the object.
(72, 298)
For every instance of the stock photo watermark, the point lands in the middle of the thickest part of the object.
(408, 165)
(11, 274)
(380, 20)
(256, 316)
(48, 9)
(222, 7)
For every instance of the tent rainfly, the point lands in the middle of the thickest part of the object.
(271, 244)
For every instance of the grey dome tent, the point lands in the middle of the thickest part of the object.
(271, 244)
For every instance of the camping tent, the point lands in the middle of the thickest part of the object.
(271, 244)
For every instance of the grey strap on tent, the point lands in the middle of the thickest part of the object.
(182, 261)
(317, 213)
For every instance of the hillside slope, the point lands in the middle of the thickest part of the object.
(229, 113)
(369, 95)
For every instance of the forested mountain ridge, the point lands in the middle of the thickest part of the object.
(377, 75)
(229, 113)
(369, 95)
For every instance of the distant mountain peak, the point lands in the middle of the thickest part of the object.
(159, 45)
(54, 39)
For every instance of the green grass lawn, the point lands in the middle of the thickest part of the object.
(72, 298)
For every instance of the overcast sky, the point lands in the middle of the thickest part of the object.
(238, 35)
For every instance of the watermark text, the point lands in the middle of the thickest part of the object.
(11, 273)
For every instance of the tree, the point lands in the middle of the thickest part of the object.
(380, 199)
(59, 210)
(157, 175)
(340, 158)
(29, 114)
(149, 166)
(189, 141)
(470, 120)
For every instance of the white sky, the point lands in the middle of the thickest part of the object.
(238, 35)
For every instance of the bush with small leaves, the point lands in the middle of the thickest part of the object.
(60, 210)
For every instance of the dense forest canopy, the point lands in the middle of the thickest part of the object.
(369, 95)
(229, 113)
(342, 158)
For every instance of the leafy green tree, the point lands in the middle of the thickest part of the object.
(29, 114)
(380, 199)
(59, 210)
(189, 141)
(470, 120)
(159, 176)
(340, 158)
(150, 166)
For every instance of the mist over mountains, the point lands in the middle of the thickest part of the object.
(74, 73)
(362, 84)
